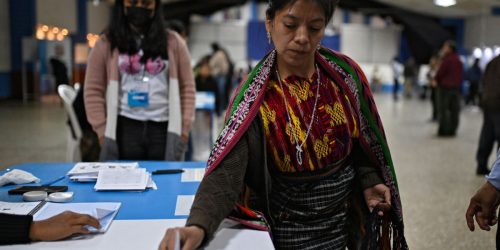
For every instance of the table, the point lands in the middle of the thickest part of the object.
(143, 216)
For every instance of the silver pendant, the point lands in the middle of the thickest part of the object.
(299, 154)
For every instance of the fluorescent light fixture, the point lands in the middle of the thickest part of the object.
(478, 53)
(488, 53)
(497, 50)
(445, 3)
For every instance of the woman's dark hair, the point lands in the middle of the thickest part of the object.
(177, 26)
(328, 7)
(121, 36)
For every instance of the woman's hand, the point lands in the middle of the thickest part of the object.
(378, 195)
(62, 226)
(189, 237)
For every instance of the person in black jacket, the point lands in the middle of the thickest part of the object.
(490, 104)
(59, 69)
(89, 143)
(17, 229)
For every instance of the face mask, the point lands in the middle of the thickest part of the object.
(139, 17)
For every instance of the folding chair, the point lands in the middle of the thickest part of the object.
(68, 95)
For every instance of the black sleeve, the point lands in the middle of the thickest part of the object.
(220, 190)
(14, 229)
(368, 173)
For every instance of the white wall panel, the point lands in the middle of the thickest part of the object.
(482, 31)
(57, 13)
(355, 42)
(97, 17)
(384, 45)
(369, 45)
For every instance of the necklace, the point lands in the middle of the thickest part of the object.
(298, 146)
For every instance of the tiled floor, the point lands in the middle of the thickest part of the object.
(436, 176)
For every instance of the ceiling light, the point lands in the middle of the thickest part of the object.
(478, 53)
(488, 53)
(445, 3)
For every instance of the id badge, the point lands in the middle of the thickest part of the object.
(138, 99)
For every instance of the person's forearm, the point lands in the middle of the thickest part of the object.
(219, 191)
(368, 173)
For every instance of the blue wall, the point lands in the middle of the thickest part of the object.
(459, 26)
(258, 45)
(22, 24)
(404, 48)
(5, 85)
(22, 21)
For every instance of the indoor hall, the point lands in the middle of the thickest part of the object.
(437, 174)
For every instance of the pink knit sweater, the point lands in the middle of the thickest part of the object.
(102, 69)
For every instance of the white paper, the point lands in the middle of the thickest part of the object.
(192, 174)
(103, 211)
(21, 208)
(93, 168)
(232, 235)
(241, 239)
(183, 205)
(129, 179)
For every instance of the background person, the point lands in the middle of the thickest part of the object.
(473, 75)
(139, 86)
(490, 104)
(397, 71)
(59, 69)
(433, 68)
(294, 141)
(221, 68)
(448, 78)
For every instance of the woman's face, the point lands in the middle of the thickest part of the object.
(146, 4)
(139, 13)
(297, 30)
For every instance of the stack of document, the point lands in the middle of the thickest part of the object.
(88, 171)
(124, 179)
(112, 176)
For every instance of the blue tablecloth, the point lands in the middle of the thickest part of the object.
(150, 204)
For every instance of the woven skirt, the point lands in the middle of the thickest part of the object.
(311, 215)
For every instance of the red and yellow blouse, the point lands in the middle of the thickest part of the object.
(332, 131)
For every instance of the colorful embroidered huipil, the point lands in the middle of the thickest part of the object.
(331, 133)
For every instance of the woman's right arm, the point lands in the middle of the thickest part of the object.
(95, 87)
(215, 198)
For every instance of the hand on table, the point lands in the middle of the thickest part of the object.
(62, 226)
(190, 237)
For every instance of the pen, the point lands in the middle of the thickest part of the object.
(49, 183)
(168, 171)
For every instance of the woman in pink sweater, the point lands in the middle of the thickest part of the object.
(139, 86)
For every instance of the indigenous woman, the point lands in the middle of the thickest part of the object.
(139, 87)
(304, 142)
